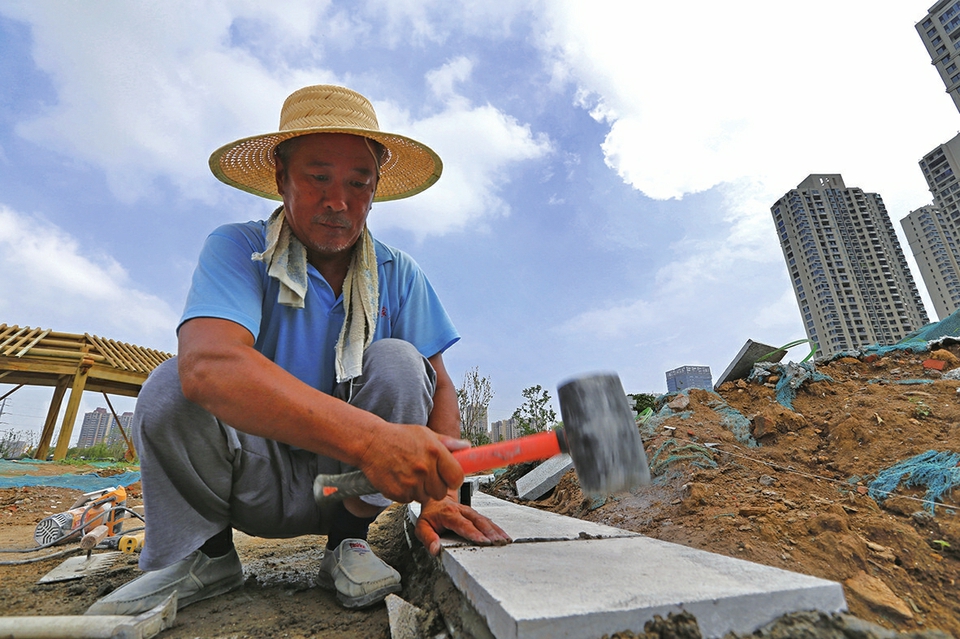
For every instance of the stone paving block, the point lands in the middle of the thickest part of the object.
(587, 588)
(525, 524)
(405, 618)
(743, 362)
(544, 477)
(564, 577)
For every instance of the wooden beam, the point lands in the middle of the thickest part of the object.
(7, 394)
(73, 405)
(131, 453)
(51, 421)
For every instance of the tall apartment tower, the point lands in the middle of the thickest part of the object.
(94, 429)
(933, 230)
(940, 32)
(114, 435)
(848, 271)
(933, 243)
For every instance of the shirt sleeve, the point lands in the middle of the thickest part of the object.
(227, 284)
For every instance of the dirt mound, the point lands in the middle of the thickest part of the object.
(741, 474)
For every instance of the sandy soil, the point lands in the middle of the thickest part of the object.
(797, 501)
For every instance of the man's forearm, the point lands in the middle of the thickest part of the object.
(445, 416)
(254, 395)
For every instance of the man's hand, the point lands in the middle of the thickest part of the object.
(413, 463)
(439, 516)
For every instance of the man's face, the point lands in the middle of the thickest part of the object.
(327, 183)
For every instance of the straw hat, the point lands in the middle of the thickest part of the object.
(248, 164)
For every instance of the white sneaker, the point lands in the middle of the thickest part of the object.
(194, 578)
(359, 576)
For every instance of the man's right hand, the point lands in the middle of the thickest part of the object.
(412, 463)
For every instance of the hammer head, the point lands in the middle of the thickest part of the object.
(602, 436)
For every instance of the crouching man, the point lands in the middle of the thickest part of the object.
(306, 347)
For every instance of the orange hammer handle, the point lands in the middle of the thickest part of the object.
(511, 451)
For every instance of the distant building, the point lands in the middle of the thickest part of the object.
(99, 427)
(114, 436)
(94, 429)
(474, 419)
(503, 430)
(932, 230)
(14, 449)
(940, 30)
(848, 272)
(689, 377)
(932, 241)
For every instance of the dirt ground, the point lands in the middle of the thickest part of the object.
(797, 501)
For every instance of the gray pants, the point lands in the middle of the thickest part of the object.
(200, 475)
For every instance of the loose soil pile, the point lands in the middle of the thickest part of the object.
(799, 501)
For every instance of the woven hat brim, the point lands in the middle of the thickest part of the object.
(248, 164)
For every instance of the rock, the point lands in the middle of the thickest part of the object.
(695, 495)
(878, 595)
(828, 522)
(945, 356)
(761, 426)
(680, 402)
(405, 618)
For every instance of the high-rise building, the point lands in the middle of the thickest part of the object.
(114, 436)
(474, 421)
(933, 230)
(689, 377)
(849, 274)
(94, 429)
(503, 429)
(933, 244)
(940, 32)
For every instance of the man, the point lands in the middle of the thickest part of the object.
(305, 347)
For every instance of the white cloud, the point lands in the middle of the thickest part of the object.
(750, 98)
(704, 93)
(49, 281)
(150, 90)
(443, 81)
(478, 145)
(145, 93)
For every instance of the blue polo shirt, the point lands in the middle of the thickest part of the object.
(228, 285)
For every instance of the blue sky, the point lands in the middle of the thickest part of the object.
(607, 177)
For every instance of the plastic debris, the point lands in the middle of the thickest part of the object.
(672, 451)
(937, 471)
(792, 377)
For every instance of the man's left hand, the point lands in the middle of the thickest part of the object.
(439, 516)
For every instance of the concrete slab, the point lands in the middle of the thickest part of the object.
(585, 580)
(405, 618)
(544, 477)
(743, 362)
(525, 524)
(588, 588)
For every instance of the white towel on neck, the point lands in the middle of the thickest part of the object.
(286, 260)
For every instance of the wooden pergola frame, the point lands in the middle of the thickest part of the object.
(43, 357)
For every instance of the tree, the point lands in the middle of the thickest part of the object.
(640, 401)
(473, 398)
(16, 443)
(534, 415)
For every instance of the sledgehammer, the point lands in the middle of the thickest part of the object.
(598, 432)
